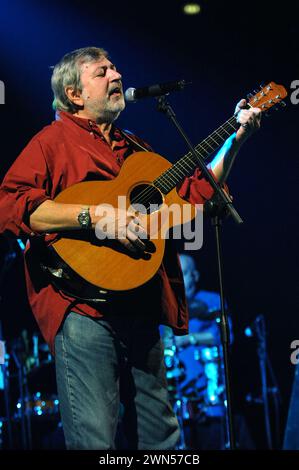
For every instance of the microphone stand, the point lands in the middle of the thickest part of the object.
(260, 330)
(217, 210)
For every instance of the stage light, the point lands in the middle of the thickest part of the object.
(248, 332)
(21, 244)
(191, 8)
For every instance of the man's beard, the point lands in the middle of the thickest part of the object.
(107, 111)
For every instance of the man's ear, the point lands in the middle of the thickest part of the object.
(75, 96)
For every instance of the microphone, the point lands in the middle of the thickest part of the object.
(134, 94)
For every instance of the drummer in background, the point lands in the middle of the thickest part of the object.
(200, 354)
(204, 307)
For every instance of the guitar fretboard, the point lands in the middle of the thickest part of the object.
(186, 165)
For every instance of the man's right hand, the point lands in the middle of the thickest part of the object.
(118, 224)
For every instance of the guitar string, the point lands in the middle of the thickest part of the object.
(180, 164)
(183, 162)
(190, 158)
(167, 177)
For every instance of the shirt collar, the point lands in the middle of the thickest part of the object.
(88, 124)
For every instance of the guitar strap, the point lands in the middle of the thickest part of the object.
(136, 145)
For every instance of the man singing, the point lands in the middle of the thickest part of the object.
(105, 353)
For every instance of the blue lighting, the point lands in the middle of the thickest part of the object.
(21, 244)
(207, 353)
(248, 332)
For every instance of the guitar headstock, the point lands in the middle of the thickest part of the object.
(268, 96)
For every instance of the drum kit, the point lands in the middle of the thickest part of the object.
(194, 372)
(31, 408)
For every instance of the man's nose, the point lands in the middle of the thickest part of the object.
(115, 75)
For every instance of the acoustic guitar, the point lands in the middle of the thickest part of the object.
(145, 178)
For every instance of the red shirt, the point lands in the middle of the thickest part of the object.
(68, 151)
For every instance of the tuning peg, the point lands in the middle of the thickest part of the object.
(282, 104)
(262, 85)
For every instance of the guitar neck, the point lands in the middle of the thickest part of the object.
(269, 96)
(186, 165)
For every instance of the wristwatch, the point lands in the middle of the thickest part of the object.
(84, 218)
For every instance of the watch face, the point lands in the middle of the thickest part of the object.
(84, 219)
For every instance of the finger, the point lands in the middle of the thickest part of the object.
(251, 121)
(129, 245)
(248, 115)
(140, 231)
(255, 118)
(243, 117)
(256, 111)
(137, 229)
(133, 214)
(133, 238)
(257, 114)
(121, 234)
(241, 105)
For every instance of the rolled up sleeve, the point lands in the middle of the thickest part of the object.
(196, 189)
(24, 188)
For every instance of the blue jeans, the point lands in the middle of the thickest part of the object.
(102, 362)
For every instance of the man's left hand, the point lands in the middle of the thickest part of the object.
(250, 120)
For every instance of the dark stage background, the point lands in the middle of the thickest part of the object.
(226, 51)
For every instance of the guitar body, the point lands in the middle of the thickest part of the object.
(105, 263)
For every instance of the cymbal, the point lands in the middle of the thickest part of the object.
(195, 339)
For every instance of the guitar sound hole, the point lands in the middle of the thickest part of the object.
(146, 198)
